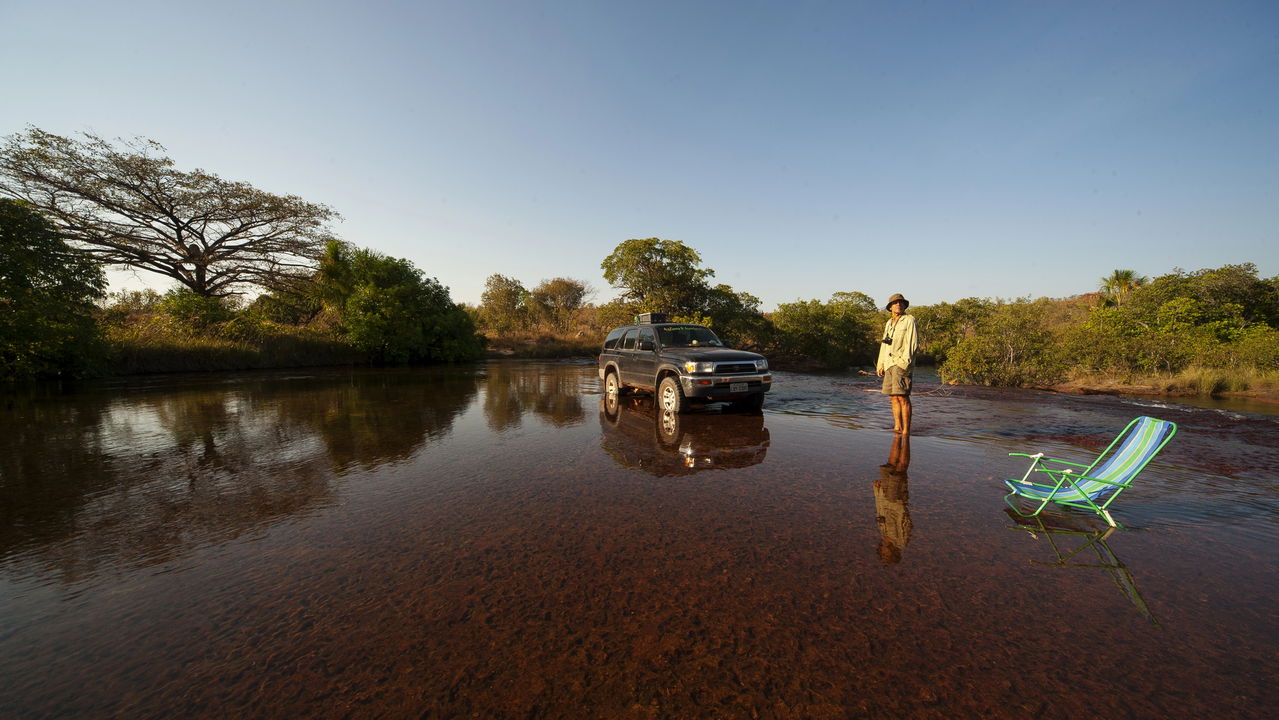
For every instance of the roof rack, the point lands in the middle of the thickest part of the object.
(649, 318)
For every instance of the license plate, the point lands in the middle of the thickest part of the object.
(738, 387)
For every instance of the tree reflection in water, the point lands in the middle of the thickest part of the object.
(512, 389)
(111, 479)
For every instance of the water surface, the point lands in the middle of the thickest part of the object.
(499, 542)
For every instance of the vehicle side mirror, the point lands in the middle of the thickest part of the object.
(646, 345)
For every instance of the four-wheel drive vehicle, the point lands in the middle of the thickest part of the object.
(682, 363)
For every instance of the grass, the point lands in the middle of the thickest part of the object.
(523, 344)
(1215, 381)
(156, 345)
(1195, 380)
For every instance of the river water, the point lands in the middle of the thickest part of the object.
(498, 542)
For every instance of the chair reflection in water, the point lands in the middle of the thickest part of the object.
(892, 496)
(1071, 552)
(1093, 487)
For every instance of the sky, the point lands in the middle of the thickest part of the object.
(939, 149)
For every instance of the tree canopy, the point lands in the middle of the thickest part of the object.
(503, 303)
(127, 204)
(557, 301)
(837, 333)
(658, 275)
(47, 290)
(1116, 286)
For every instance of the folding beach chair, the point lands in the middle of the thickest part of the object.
(1093, 487)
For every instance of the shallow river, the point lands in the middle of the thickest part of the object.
(496, 542)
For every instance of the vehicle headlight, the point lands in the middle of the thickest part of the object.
(699, 367)
(761, 365)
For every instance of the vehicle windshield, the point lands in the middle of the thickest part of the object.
(687, 336)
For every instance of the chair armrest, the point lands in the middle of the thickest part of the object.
(1064, 462)
(1043, 458)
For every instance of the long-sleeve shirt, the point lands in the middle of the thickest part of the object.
(902, 350)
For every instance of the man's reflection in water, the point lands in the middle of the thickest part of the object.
(891, 497)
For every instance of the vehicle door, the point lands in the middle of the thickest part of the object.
(643, 361)
(625, 355)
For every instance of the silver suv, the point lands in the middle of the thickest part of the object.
(682, 364)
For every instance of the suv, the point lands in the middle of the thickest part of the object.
(682, 364)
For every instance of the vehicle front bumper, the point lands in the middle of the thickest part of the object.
(722, 386)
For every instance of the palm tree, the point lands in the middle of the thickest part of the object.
(1116, 286)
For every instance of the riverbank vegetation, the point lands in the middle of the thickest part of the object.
(1197, 333)
(261, 281)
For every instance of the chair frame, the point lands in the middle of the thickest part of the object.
(1066, 478)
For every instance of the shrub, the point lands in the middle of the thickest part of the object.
(195, 312)
(1014, 347)
(47, 295)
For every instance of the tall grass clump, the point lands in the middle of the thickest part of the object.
(181, 332)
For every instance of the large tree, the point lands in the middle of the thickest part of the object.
(557, 301)
(503, 303)
(126, 204)
(658, 275)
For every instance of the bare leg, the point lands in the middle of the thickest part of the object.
(897, 412)
(905, 410)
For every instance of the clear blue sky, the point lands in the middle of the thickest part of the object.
(939, 149)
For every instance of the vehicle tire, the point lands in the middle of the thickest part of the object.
(611, 386)
(670, 398)
(753, 403)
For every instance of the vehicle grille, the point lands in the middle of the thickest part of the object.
(726, 368)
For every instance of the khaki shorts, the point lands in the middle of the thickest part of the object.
(896, 381)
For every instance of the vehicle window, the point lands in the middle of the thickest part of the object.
(688, 336)
(610, 342)
(645, 334)
(628, 342)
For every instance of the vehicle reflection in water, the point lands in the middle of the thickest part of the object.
(1071, 539)
(892, 497)
(639, 435)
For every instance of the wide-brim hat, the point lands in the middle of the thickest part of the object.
(896, 296)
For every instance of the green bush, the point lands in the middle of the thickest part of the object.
(47, 295)
(389, 310)
(841, 332)
(194, 312)
(1015, 347)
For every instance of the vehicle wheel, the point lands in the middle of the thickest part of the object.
(670, 396)
(753, 403)
(611, 398)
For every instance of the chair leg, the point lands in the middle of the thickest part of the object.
(1106, 514)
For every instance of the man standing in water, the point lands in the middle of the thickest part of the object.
(897, 360)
